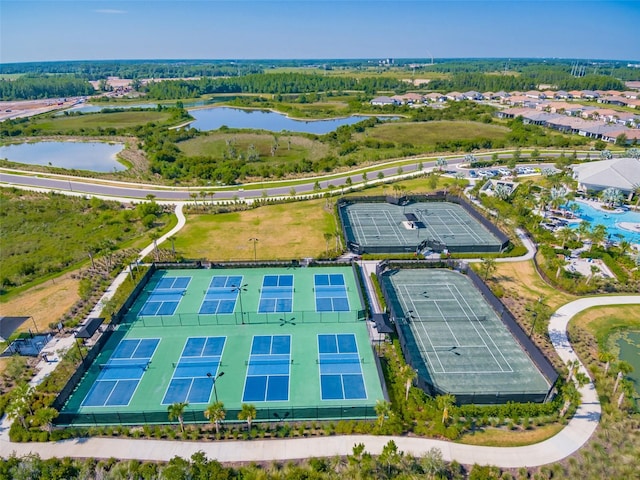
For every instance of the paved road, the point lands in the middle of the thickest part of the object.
(570, 439)
(138, 192)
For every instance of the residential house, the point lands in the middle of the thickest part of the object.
(383, 101)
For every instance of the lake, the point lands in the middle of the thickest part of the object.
(92, 156)
(629, 346)
(214, 118)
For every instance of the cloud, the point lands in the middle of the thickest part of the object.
(110, 11)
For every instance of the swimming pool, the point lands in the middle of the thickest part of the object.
(611, 220)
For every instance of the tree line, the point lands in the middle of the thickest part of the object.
(97, 70)
(276, 83)
(493, 83)
(33, 87)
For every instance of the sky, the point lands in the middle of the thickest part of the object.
(32, 30)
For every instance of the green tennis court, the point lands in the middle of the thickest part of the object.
(456, 341)
(291, 341)
(379, 227)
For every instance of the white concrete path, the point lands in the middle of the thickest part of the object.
(571, 438)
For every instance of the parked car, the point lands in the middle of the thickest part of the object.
(473, 174)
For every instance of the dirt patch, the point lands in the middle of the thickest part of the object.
(520, 280)
(46, 303)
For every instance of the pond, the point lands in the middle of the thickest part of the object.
(96, 108)
(620, 224)
(214, 118)
(629, 345)
(92, 156)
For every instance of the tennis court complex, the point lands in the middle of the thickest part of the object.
(380, 227)
(456, 341)
(291, 341)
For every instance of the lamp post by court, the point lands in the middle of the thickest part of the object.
(239, 289)
(213, 379)
(254, 240)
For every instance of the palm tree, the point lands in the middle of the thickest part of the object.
(407, 374)
(383, 411)
(636, 193)
(441, 163)
(502, 191)
(583, 230)
(173, 239)
(488, 267)
(327, 239)
(45, 416)
(20, 403)
(215, 413)
(154, 236)
(176, 411)
(612, 197)
(445, 402)
(598, 234)
(248, 413)
(565, 234)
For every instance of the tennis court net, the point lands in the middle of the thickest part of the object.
(141, 365)
(445, 319)
(205, 362)
(327, 361)
(274, 361)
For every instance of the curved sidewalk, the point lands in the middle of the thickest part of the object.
(571, 438)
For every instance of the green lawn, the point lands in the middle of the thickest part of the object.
(290, 147)
(105, 120)
(284, 231)
(428, 133)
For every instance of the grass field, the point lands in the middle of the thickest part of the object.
(285, 231)
(521, 281)
(499, 437)
(290, 147)
(428, 133)
(104, 120)
(602, 322)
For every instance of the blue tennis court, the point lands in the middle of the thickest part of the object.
(120, 376)
(221, 296)
(340, 369)
(173, 283)
(165, 297)
(331, 293)
(276, 294)
(268, 369)
(194, 374)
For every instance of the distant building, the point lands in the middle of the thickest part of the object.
(620, 173)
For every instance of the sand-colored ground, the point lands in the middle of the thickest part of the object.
(522, 279)
(28, 108)
(46, 303)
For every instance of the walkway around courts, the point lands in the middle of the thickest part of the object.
(567, 441)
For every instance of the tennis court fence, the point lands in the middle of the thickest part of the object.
(501, 244)
(196, 415)
(243, 318)
(412, 354)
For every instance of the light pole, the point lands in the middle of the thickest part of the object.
(254, 240)
(240, 289)
(213, 379)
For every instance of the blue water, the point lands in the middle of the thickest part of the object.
(92, 156)
(214, 118)
(609, 220)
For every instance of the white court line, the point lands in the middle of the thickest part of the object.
(447, 323)
(486, 333)
(426, 334)
(392, 225)
(355, 220)
(465, 227)
(475, 328)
